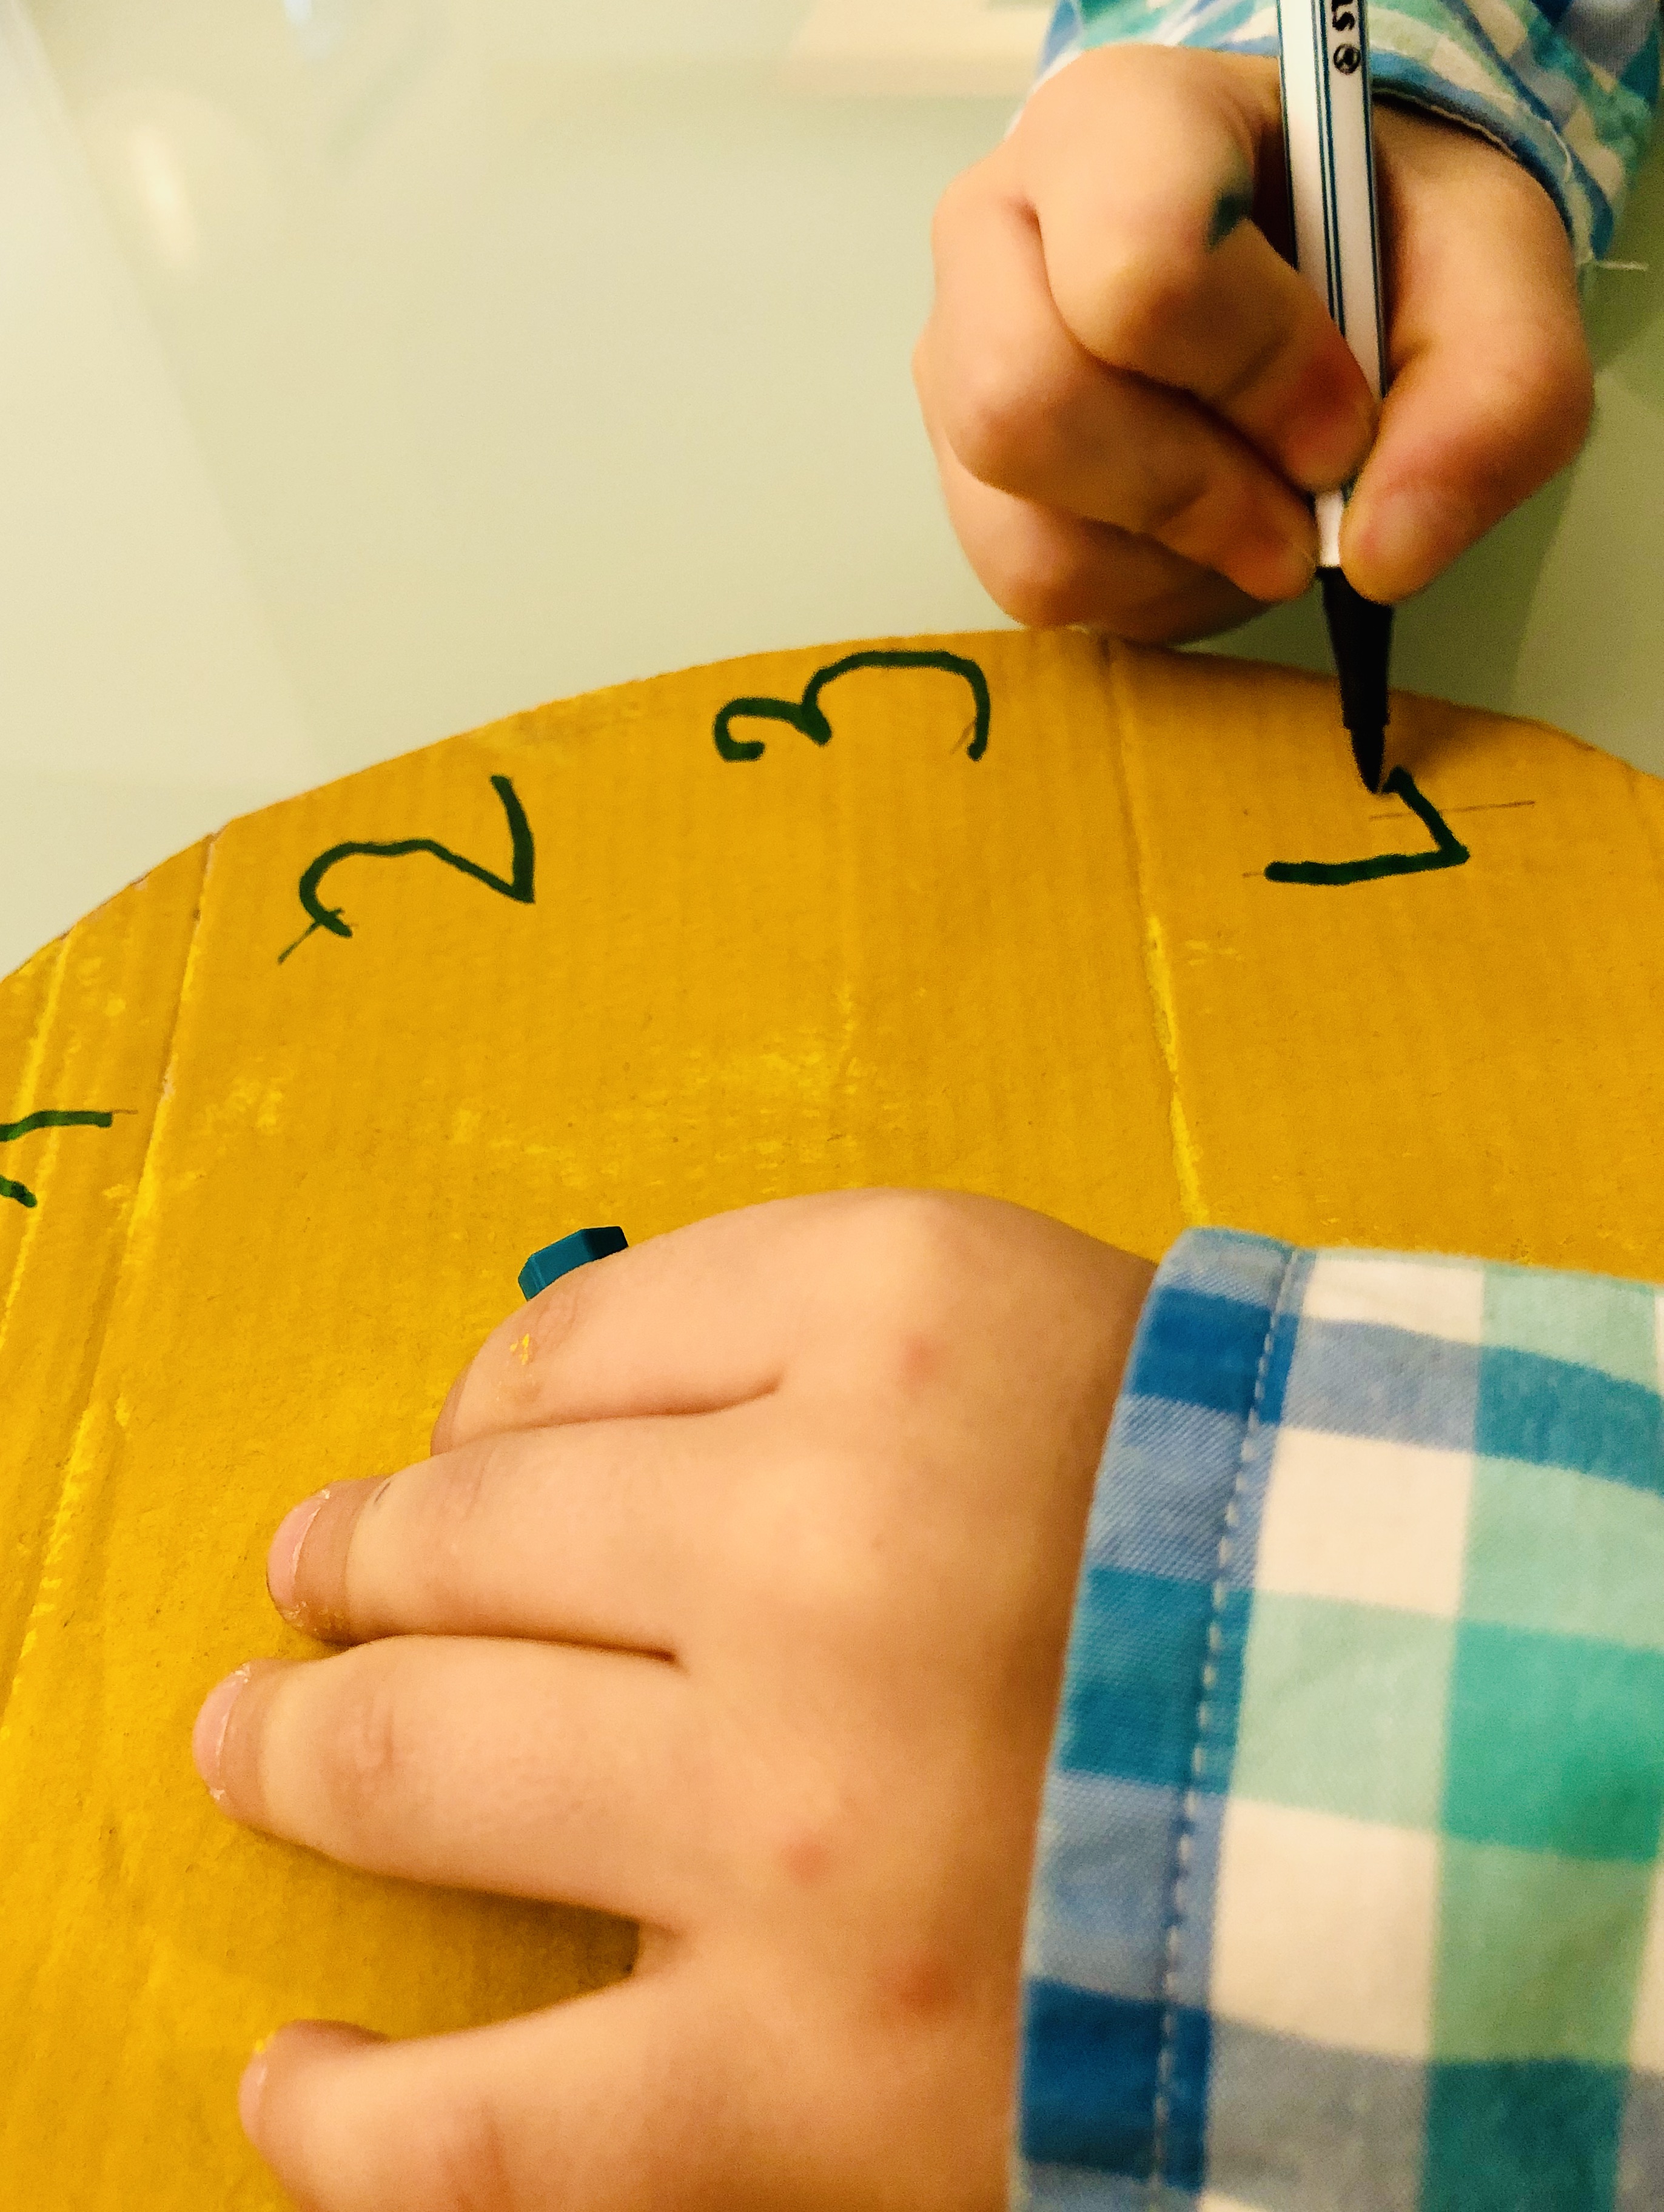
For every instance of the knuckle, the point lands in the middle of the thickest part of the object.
(920, 1986)
(1001, 415)
(818, 1578)
(1136, 305)
(957, 208)
(808, 1851)
(336, 1590)
(919, 365)
(364, 1759)
(552, 1318)
(809, 1827)
(471, 2159)
(453, 1510)
(926, 1243)
(1567, 401)
(444, 1426)
(1271, 365)
(519, 1379)
(507, 1383)
(1045, 584)
(1176, 506)
(1174, 614)
(1537, 400)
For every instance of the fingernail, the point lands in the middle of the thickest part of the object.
(1405, 538)
(250, 2089)
(207, 1737)
(283, 1559)
(1324, 455)
(1282, 568)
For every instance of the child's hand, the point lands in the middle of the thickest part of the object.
(1128, 390)
(734, 1599)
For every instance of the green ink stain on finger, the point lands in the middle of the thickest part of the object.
(49, 1118)
(517, 884)
(1232, 208)
(1449, 851)
(807, 715)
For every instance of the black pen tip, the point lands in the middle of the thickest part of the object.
(1361, 633)
(1370, 752)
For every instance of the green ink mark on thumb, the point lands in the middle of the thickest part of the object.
(1233, 208)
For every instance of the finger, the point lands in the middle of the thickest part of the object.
(1492, 385)
(593, 1533)
(703, 1318)
(664, 1327)
(1140, 162)
(714, 1316)
(532, 1770)
(1026, 408)
(1046, 568)
(615, 2102)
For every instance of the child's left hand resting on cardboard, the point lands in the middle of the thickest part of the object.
(734, 1599)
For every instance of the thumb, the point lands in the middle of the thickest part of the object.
(1492, 385)
(575, 2106)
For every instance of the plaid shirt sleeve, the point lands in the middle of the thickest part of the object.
(1567, 87)
(1349, 1892)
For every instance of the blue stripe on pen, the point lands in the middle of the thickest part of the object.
(1283, 88)
(1319, 25)
(1374, 234)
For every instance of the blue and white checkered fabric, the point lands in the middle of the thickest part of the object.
(1568, 87)
(1348, 1895)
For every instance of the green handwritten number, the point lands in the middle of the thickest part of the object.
(1448, 851)
(50, 1119)
(517, 884)
(807, 715)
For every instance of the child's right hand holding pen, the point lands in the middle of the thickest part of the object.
(1130, 393)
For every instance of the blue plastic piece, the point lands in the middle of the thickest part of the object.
(577, 1250)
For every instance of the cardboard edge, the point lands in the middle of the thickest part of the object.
(101, 1296)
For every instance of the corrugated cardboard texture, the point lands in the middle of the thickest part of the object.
(1056, 971)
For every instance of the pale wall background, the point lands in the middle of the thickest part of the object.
(371, 367)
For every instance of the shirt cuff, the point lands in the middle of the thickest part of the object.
(1571, 94)
(1345, 1890)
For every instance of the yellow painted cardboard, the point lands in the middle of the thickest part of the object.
(1470, 1061)
(89, 1020)
(1056, 972)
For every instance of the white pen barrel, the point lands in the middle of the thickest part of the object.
(1326, 128)
(1329, 507)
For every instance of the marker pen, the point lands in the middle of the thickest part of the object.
(1329, 145)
